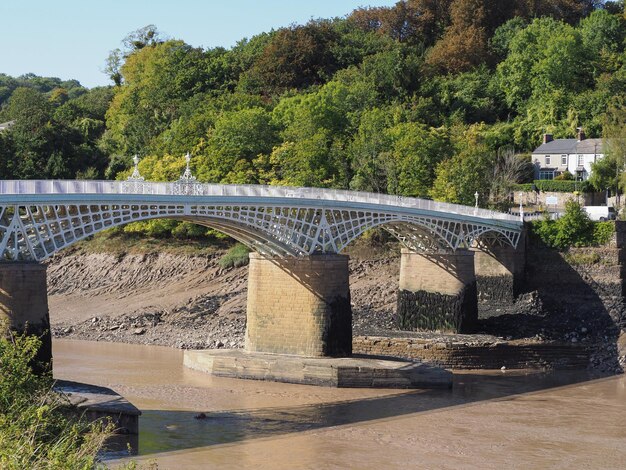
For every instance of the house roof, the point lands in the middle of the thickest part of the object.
(557, 146)
(568, 146)
(589, 146)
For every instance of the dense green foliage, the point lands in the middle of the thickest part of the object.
(37, 428)
(573, 229)
(416, 99)
(556, 186)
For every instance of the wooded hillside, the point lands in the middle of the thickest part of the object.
(427, 98)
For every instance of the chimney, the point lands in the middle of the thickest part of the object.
(547, 138)
(581, 134)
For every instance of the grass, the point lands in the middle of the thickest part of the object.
(235, 257)
(582, 259)
(117, 242)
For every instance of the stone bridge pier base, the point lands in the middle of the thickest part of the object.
(24, 304)
(299, 330)
(437, 291)
(499, 272)
(299, 306)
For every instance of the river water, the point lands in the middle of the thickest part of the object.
(488, 420)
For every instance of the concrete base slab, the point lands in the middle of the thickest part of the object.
(100, 402)
(357, 371)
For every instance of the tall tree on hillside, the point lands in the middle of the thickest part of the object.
(143, 37)
(157, 81)
(463, 45)
(31, 133)
(296, 57)
(610, 172)
(545, 57)
(113, 65)
(412, 21)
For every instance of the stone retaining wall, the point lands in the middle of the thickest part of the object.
(483, 355)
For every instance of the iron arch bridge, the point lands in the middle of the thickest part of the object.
(40, 217)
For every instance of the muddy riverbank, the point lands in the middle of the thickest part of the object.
(188, 301)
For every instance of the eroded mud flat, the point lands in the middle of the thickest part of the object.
(488, 420)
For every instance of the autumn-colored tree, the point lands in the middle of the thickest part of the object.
(296, 57)
(413, 21)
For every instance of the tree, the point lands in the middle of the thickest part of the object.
(143, 37)
(545, 57)
(610, 171)
(370, 152)
(509, 169)
(416, 150)
(113, 65)
(236, 140)
(602, 31)
(31, 134)
(157, 82)
(460, 177)
(412, 21)
(296, 57)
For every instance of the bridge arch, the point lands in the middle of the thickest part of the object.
(34, 232)
(39, 218)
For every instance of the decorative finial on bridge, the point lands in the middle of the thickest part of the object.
(136, 176)
(187, 177)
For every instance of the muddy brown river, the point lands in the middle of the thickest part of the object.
(488, 420)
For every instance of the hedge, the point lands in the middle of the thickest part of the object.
(556, 186)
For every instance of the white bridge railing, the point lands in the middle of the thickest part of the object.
(140, 187)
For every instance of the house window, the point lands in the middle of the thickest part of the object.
(581, 160)
(546, 174)
(563, 160)
(547, 159)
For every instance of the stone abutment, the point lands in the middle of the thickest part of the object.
(24, 304)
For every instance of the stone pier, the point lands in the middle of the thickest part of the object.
(299, 330)
(299, 306)
(437, 291)
(499, 272)
(24, 303)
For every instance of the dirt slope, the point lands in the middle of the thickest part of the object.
(182, 300)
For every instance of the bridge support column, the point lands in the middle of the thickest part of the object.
(24, 304)
(499, 272)
(299, 306)
(437, 291)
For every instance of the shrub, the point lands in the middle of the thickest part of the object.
(235, 257)
(37, 427)
(555, 186)
(187, 230)
(603, 232)
(565, 176)
(582, 259)
(573, 229)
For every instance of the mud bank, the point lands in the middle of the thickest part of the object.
(191, 302)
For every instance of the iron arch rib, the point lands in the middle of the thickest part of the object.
(277, 221)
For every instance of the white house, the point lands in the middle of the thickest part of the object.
(555, 156)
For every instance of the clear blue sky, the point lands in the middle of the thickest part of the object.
(72, 38)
